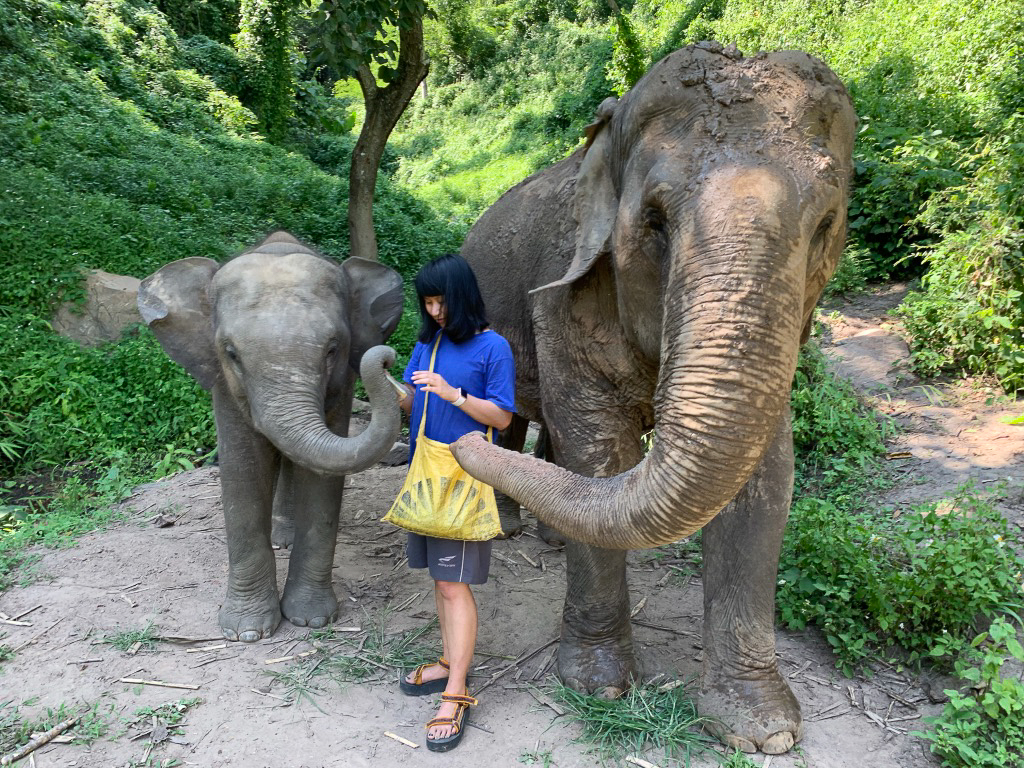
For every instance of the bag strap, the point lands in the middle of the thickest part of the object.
(423, 419)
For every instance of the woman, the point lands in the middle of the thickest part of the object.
(473, 383)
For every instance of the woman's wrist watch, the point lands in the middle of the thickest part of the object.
(457, 402)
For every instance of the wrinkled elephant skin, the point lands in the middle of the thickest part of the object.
(278, 334)
(664, 278)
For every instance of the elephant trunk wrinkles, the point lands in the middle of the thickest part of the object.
(729, 351)
(294, 422)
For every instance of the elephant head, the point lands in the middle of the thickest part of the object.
(715, 192)
(279, 331)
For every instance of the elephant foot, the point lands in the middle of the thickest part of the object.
(282, 533)
(309, 606)
(603, 669)
(751, 712)
(509, 516)
(549, 535)
(248, 621)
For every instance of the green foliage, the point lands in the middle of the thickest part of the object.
(645, 717)
(983, 726)
(355, 33)
(969, 314)
(896, 172)
(266, 44)
(214, 19)
(629, 61)
(918, 581)
(126, 640)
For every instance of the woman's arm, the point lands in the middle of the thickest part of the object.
(477, 408)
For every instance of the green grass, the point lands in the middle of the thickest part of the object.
(146, 638)
(646, 717)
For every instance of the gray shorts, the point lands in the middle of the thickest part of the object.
(448, 560)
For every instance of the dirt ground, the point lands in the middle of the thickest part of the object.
(171, 577)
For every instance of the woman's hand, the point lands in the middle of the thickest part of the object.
(429, 381)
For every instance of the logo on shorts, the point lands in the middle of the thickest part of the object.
(446, 562)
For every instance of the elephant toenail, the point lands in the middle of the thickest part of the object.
(778, 743)
(319, 622)
(733, 741)
(297, 621)
(609, 692)
(250, 636)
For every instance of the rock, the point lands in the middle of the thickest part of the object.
(110, 307)
(397, 456)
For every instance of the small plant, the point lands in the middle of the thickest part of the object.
(172, 714)
(536, 757)
(983, 726)
(355, 657)
(738, 760)
(6, 653)
(124, 641)
(918, 581)
(647, 716)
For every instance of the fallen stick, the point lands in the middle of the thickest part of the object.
(640, 761)
(39, 741)
(37, 636)
(15, 623)
(289, 658)
(23, 614)
(494, 678)
(206, 648)
(159, 683)
(400, 740)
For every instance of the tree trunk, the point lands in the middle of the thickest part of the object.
(383, 108)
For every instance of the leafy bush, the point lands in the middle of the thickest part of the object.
(983, 727)
(969, 314)
(918, 581)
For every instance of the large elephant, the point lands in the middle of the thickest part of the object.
(277, 334)
(664, 279)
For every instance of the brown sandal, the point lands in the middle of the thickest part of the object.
(457, 722)
(420, 688)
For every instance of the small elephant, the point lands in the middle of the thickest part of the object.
(664, 279)
(277, 334)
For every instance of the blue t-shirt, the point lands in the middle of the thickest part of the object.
(482, 364)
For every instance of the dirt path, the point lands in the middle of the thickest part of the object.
(172, 578)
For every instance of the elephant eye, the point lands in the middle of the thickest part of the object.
(823, 229)
(654, 220)
(231, 352)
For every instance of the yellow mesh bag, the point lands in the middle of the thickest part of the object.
(439, 498)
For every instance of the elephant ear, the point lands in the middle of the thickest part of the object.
(376, 304)
(174, 301)
(596, 202)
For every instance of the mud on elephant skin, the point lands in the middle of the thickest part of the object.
(277, 334)
(664, 278)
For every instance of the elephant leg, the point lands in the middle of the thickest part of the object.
(282, 531)
(314, 502)
(742, 689)
(513, 438)
(542, 450)
(595, 654)
(248, 467)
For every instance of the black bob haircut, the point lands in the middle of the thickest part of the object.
(451, 276)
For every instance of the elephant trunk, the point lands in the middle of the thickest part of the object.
(294, 421)
(730, 337)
